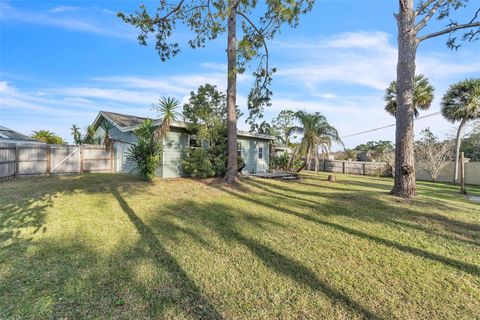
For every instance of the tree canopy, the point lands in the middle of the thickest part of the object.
(422, 96)
(47, 137)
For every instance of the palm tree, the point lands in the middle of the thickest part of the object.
(166, 107)
(77, 135)
(422, 95)
(461, 103)
(318, 136)
(89, 135)
(47, 137)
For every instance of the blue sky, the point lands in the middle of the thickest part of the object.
(63, 61)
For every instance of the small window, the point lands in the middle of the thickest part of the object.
(239, 149)
(193, 142)
(260, 153)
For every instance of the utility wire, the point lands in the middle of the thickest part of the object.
(390, 125)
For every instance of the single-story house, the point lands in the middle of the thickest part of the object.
(11, 136)
(281, 149)
(252, 147)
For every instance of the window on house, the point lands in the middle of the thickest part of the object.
(239, 149)
(193, 142)
(260, 153)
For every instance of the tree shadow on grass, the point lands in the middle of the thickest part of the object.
(459, 265)
(382, 212)
(190, 299)
(219, 219)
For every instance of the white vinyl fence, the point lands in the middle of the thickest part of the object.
(44, 159)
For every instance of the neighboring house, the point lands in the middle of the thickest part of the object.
(10, 136)
(280, 149)
(252, 147)
(365, 156)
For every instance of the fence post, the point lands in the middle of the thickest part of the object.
(17, 161)
(343, 164)
(81, 158)
(49, 160)
(111, 159)
(364, 169)
(462, 174)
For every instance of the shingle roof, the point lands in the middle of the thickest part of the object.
(126, 122)
(7, 134)
(123, 120)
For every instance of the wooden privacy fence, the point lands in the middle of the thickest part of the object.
(44, 159)
(352, 167)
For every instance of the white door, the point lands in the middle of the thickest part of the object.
(261, 164)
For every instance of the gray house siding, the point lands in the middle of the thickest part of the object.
(175, 145)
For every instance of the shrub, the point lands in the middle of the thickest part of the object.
(206, 163)
(198, 163)
(147, 153)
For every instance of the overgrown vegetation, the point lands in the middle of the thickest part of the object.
(206, 113)
(146, 155)
(114, 247)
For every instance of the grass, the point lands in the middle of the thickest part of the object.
(110, 246)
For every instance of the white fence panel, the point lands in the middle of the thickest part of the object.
(65, 159)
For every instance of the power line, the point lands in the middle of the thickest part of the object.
(390, 125)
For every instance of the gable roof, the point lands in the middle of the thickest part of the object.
(7, 135)
(126, 123)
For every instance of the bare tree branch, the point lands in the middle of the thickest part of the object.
(250, 22)
(424, 6)
(448, 30)
(430, 14)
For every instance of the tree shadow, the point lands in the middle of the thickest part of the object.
(383, 212)
(218, 218)
(459, 265)
(190, 297)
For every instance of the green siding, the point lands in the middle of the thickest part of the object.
(249, 153)
(175, 144)
(174, 147)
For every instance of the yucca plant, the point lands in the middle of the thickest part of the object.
(147, 153)
(167, 108)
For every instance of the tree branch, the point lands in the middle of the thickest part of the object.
(424, 6)
(178, 7)
(448, 30)
(425, 19)
(263, 41)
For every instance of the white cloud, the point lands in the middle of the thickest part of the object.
(363, 59)
(90, 21)
(59, 9)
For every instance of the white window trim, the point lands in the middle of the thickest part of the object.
(191, 137)
(260, 153)
(239, 148)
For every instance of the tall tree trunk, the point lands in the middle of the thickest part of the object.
(404, 152)
(458, 143)
(231, 172)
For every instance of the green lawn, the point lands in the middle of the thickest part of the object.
(111, 246)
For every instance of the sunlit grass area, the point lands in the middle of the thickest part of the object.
(111, 246)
